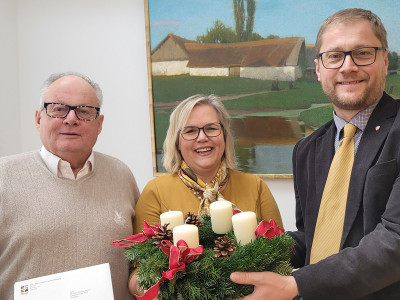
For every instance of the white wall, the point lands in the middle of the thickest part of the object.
(105, 40)
(209, 71)
(177, 67)
(10, 139)
(286, 73)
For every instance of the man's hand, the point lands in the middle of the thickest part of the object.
(267, 285)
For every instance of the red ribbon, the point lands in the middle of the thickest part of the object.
(268, 229)
(236, 211)
(148, 232)
(178, 256)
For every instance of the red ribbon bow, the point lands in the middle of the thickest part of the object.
(268, 229)
(178, 256)
(148, 232)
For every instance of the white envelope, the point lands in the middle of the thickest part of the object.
(81, 284)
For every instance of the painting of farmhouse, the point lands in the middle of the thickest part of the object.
(258, 57)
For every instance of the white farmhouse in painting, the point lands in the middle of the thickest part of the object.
(271, 59)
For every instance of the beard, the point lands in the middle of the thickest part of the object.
(357, 101)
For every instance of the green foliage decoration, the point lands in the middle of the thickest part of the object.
(208, 277)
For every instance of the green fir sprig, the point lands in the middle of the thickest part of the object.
(208, 277)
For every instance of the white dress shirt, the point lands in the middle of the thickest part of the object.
(62, 168)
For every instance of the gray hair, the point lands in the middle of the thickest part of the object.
(350, 15)
(56, 76)
(172, 158)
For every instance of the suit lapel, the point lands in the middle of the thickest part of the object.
(373, 137)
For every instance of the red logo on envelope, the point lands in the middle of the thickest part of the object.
(24, 289)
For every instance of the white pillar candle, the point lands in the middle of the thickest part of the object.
(174, 218)
(244, 227)
(187, 232)
(221, 216)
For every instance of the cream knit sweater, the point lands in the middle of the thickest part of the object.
(50, 225)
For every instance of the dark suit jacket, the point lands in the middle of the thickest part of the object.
(368, 264)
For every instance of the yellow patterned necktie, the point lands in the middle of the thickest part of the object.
(329, 228)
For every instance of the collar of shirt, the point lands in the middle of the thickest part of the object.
(62, 168)
(360, 120)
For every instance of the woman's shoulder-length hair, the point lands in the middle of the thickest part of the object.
(172, 158)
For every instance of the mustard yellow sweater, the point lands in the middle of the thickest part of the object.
(247, 191)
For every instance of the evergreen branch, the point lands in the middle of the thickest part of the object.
(208, 277)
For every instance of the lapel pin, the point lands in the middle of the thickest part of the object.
(377, 128)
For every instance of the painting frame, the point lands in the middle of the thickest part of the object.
(152, 105)
(191, 45)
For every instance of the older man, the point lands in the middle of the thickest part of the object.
(62, 206)
(348, 238)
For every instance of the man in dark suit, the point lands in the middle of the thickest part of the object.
(351, 65)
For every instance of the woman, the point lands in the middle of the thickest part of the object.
(200, 159)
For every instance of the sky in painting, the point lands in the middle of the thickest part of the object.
(285, 18)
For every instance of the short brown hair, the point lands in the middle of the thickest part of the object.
(351, 15)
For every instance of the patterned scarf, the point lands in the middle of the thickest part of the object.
(206, 192)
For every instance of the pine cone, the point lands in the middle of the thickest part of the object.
(164, 234)
(191, 218)
(224, 247)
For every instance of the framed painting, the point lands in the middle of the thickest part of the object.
(258, 57)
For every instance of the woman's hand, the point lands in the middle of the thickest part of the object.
(133, 285)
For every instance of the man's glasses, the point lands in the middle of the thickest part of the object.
(82, 112)
(363, 56)
(210, 130)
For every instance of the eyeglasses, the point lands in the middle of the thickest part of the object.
(363, 56)
(210, 130)
(82, 112)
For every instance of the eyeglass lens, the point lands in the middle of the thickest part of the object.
(58, 110)
(210, 130)
(361, 57)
